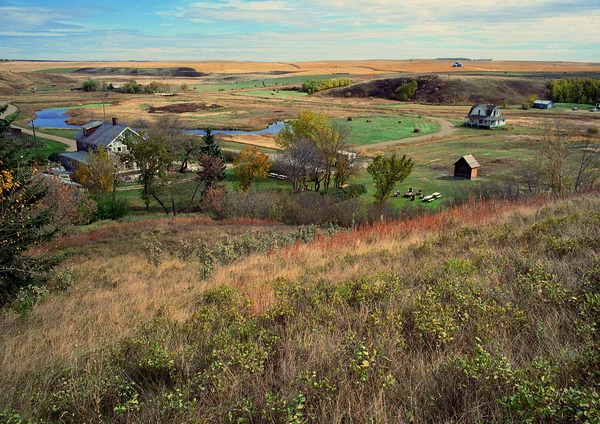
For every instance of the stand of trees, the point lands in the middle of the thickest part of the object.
(575, 90)
(312, 86)
(315, 150)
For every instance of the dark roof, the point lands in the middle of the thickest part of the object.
(103, 136)
(91, 124)
(77, 156)
(470, 160)
(489, 108)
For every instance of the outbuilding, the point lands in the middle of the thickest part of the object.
(543, 104)
(466, 168)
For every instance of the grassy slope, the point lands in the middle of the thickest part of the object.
(383, 128)
(481, 313)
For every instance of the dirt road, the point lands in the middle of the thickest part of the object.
(11, 109)
(69, 142)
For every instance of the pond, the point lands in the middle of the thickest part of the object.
(56, 117)
(271, 129)
(52, 118)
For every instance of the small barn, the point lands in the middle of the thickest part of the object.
(543, 104)
(466, 168)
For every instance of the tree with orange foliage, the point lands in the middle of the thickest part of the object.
(250, 165)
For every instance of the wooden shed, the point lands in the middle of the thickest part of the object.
(466, 168)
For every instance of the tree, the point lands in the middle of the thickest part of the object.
(308, 126)
(24, 220)
(132, 87)
(98, 174)
(297, 160)
(249, 165)
(91, 85)
(217, 167)
(211, 172)
(328, 140)
(386, 172)
(184, 87)
(152, 158)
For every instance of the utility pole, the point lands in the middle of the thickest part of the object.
(37, 155)
(103, 110)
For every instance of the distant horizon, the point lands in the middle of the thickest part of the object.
(4, 60)
(298, 30)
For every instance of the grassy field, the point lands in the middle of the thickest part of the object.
(45, 148)
(241, 83)
(482, 313)
(384, 128)
(58, 70)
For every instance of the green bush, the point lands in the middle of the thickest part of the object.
(406, 91)
(313, 86)
(108, 208)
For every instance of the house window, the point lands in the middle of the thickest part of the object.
(118, 149)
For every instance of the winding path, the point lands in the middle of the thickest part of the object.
(69, 142)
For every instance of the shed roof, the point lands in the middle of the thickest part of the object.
(103, 136)
(470, 160)
(77, 156)
(543, 102)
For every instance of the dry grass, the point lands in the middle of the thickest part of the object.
(117, 293)
(353, 67)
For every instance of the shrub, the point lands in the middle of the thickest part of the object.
(91, 85)
(109, 208)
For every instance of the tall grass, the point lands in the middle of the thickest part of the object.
(483, 312)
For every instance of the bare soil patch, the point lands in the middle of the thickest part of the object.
(183, 108)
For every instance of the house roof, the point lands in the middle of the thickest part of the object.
(543, 102)
(103, 136)
(470, 160)
(91, 124)
(80, 157)
(489, 108)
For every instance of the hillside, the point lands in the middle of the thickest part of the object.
(481, 313)
(446, 89)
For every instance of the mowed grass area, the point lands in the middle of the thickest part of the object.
(385, 128)
(266, 94)
(59, 132)
(45, 148)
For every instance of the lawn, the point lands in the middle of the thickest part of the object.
(386, 128)
(46, 148)
(66, 133)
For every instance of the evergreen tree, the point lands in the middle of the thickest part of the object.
(24, 220)
(212, 148)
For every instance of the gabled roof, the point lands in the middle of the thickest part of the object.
(103, 136)
(470, 160)
(489, 108)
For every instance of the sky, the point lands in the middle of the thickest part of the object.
(300, 30)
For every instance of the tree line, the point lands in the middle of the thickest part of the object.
(313, 86)
(130, 87)
(575, 90)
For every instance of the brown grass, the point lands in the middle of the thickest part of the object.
(353, 67)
